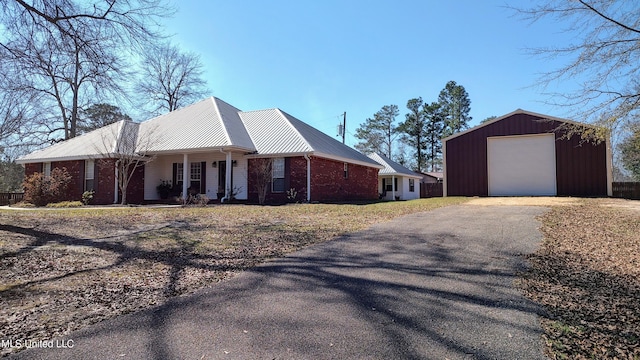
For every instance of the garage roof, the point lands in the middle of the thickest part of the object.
(517, 111)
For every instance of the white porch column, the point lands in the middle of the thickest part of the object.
(227, 176)
(185, 177)
(393, 186)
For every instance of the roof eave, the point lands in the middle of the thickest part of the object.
(400, 174)
(201, 150)
(23, 161)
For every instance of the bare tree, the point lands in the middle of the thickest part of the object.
(261, 173)
(128, 146)
(70, 52)
(170, 78)
(605, 59)
(18, 115)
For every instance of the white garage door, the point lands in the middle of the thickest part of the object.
(522, 165)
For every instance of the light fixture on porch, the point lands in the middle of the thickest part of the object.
(234, 163)
(214, 164)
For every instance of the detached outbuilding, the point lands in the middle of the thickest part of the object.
(525, 154)
(395, 181)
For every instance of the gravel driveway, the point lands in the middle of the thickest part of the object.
(435, 285)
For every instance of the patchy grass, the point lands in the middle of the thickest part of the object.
(64, 269)
(586, 275)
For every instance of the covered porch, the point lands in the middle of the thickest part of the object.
(399, 187)
(219, 175)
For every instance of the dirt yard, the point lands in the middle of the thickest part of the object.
(524, 201)
(61, 270)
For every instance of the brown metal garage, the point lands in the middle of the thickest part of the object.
(523, 153)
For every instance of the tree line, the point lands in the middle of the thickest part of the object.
(416, 142)
(70, 66)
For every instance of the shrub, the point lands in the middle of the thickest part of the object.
(197, 200)
(292, 195)
(24, 204)
(87, 196)
(65, 204)
(41, 190)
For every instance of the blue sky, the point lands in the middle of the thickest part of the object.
(317, 59)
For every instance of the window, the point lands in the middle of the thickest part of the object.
(89, 170)
(390, 187)
(46, 169)
(412, 185)
(277, 175)
(196, 175)
(346, 170)
(179, 172)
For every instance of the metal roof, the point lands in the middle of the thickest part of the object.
(213, 124)
(393, 168)
(98, 143)
(274, 132)
(208, 124)
(437, 175)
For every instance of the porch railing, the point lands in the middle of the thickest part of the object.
(10, 198)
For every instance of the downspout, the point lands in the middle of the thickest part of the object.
(306, 156)
(115, 183)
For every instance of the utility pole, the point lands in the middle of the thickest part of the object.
(344, 125)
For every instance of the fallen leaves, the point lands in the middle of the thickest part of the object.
(587, 277)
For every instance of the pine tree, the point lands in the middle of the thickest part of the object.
(434, 128)
(413, 129)
(455, 104)
(378, 134)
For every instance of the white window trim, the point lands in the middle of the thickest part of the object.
(89, 173)
(179, 172)
(46, 169)
(277, 172)
(197, 165)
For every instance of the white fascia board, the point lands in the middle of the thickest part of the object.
(400, 175)
(199, 150)
(316, 154)
(64, 158)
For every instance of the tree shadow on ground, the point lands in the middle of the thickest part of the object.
(413, 299)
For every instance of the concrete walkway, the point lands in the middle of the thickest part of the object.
(436, 285)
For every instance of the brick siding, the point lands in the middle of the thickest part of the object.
(327, 181)
(329, 184)
(103, 180)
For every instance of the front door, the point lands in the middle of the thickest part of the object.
(222, 177)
